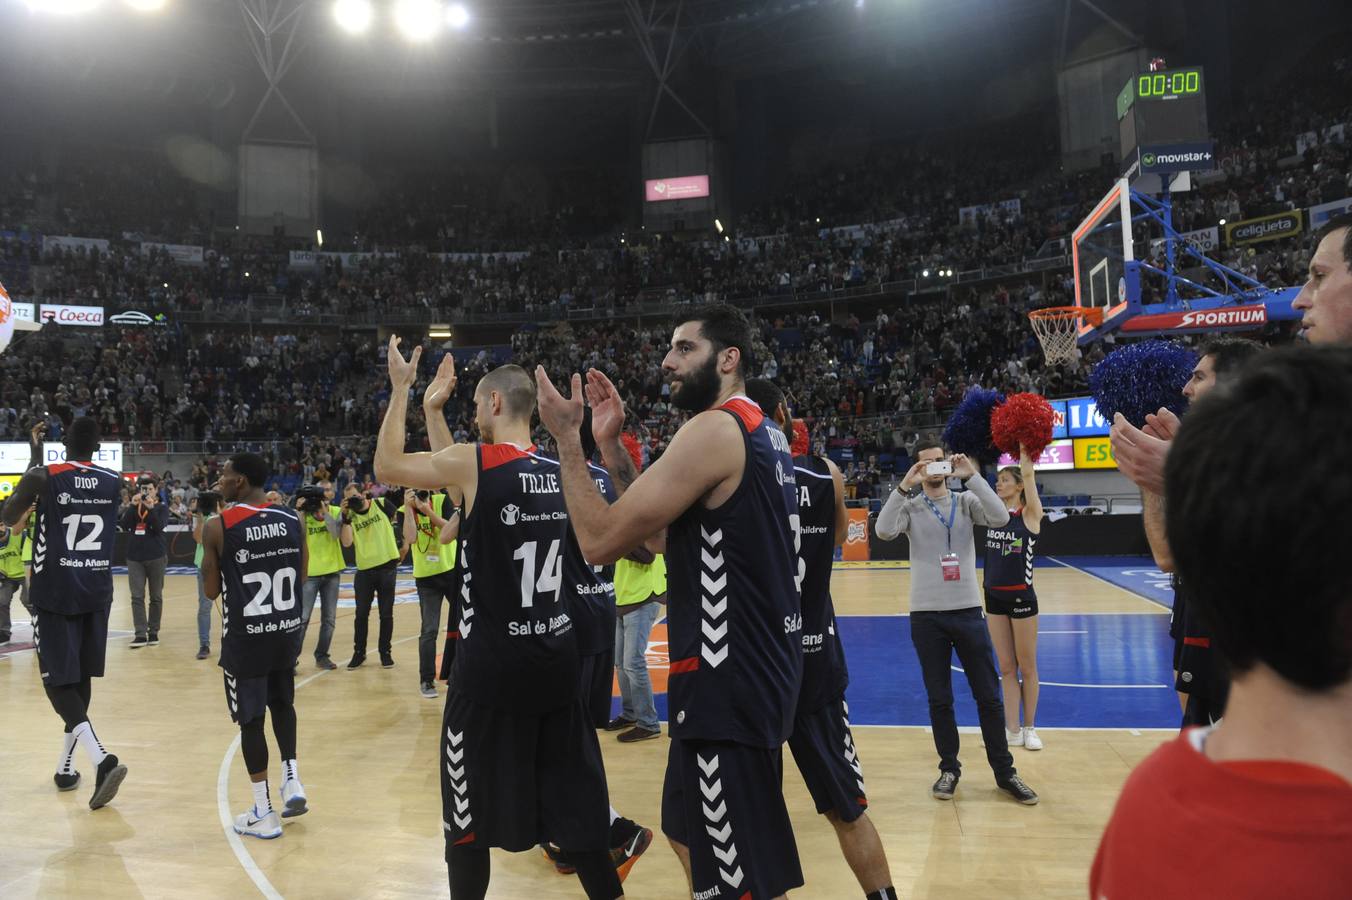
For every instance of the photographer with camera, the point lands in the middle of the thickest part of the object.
(432, 545)
(368, 530)
(323, 523)
(946, 613)
(204, 507)
(144, 519)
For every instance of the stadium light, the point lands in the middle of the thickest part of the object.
(718, 225)
(457, 15)
(63, 7)
(319, 236)
(1222, 221)
(353, 16)
(418, 20)
(924, 274)
(145, 5)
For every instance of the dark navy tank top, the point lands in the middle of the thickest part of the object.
(1009, 556)
(73, 537)
(734, 617)
(517, 646)
(261, 623)
(824, 673)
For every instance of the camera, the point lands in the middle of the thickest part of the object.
(941, 467)
(356, 503)
(423, 496)
(208, 502)
(312, 498)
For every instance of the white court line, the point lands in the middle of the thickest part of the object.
(242, 853)
(1062, 632)
(1127, 591)
(976, 729)
(1065, 684)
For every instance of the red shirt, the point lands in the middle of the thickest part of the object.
(1187, 827)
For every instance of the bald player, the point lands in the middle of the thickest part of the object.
(520, 763)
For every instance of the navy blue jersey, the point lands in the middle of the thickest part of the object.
(517, 647)
(76, 527)
(591, 589)
(261, 627)
(733, 620)
(824, 672)
(1009, 556)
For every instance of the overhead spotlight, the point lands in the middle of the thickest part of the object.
(63, 7)
(924, 274)
(353, 16)
(418, 20)
(457, 15)
(1222, 221)
(319, 236)
(145, 5)
(718, 225)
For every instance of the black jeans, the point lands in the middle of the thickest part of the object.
(936, 635)
(432, 591)
(378, 583)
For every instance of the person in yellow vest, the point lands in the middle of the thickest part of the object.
(425, 520)
(323, 521)
(13, 577)
(368, 529)
(640, 592)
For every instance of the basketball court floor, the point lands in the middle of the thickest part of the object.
(368, 747)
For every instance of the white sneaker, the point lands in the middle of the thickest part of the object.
(266, 827)
(293, 799)
(1014, 738)
(1031, 740)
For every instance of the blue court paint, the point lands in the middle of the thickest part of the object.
(1097, 671)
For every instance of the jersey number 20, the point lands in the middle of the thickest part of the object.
(280, 587)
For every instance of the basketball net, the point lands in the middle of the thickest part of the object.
(1058, 329)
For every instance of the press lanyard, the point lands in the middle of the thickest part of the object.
(952, 515)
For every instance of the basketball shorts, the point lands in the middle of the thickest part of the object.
(248, 698)
(598, 680)
(725, 802)
(513, 781)
(1015, 604)
(823, 748)
(70, 648)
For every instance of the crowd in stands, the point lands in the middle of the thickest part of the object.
(867, 374)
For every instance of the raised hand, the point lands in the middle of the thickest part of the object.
(607, 407)
(561, 416)
(403, 372)
(963, 467)
(442, 385)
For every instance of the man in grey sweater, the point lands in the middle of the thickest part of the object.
(946, 613)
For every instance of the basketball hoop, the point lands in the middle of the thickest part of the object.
(1058, 329)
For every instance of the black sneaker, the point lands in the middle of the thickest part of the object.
(619, 723)
(153, 640)
(386, 661)
(943, 788)
(561, 863)
(66, 782)
(630, 840)
(203, 651)
(325, 663)
(639, 733)
(356, 660)
(111, 774)
(1014, 787)
(138, 642)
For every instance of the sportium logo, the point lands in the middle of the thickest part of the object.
(1224, 318)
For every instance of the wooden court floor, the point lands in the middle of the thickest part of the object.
(367, 755)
